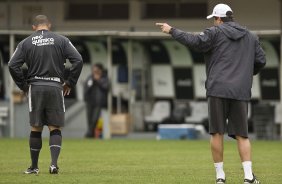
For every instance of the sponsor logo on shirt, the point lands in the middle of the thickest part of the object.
(56, 79)
(40, 41)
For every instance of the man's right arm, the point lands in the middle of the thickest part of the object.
(202, 42)
(15, 64)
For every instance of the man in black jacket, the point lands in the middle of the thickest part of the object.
(45, 54)
(232, 55)
(95, 96)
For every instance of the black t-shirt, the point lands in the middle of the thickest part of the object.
(45, 54)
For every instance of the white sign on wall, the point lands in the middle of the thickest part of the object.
(162, 81)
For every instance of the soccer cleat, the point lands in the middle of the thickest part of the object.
(220, 181)
(31, 170)
(254, 180)
(53, 169)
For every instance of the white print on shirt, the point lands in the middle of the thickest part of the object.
(40, 41)
(56, 79)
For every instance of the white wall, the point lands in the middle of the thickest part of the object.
(255, 14)
(3, 15)
(19, 12)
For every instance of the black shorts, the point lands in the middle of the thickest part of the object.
(46, 106)
(228, 115)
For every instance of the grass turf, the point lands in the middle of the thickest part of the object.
(137, 162)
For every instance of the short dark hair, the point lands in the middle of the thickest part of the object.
(99, 66)
(229, 17)
(41, 20)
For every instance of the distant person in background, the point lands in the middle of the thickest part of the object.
(232, 55)
(45, 54)
(96, 89)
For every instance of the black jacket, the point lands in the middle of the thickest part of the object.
(232, 55)
(45, 54)
(96, 92)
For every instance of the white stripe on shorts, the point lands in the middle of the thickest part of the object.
(63, 101)
(29, 99)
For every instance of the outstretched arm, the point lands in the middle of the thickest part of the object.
(202, 42)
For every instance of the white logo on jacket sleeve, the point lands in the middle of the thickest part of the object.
(72, 45)
(14, 53)
(40, 41)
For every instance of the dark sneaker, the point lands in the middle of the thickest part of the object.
(220, 181)
(31, 170)
(53, 169)
(254, 180)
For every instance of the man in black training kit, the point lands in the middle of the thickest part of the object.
(96, 89)
(232, 55)
(45, 54)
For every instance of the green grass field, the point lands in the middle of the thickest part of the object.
(137, 161)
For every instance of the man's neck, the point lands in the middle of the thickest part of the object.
(42, 28)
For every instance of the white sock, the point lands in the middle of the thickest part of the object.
(247, 166)
(219, 170)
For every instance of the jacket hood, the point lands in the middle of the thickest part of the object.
(233, 30)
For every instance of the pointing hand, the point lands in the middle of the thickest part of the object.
(164, 27)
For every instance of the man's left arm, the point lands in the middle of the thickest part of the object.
(103, 83)
(76, 60)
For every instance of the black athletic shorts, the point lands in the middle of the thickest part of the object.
(46, 106)
(228, 115)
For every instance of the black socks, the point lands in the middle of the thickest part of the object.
(35, 144)
(55, 143)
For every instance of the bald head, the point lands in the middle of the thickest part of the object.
(41, 22)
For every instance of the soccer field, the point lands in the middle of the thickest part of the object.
(137, 161)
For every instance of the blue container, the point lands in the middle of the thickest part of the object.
(179, 131)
